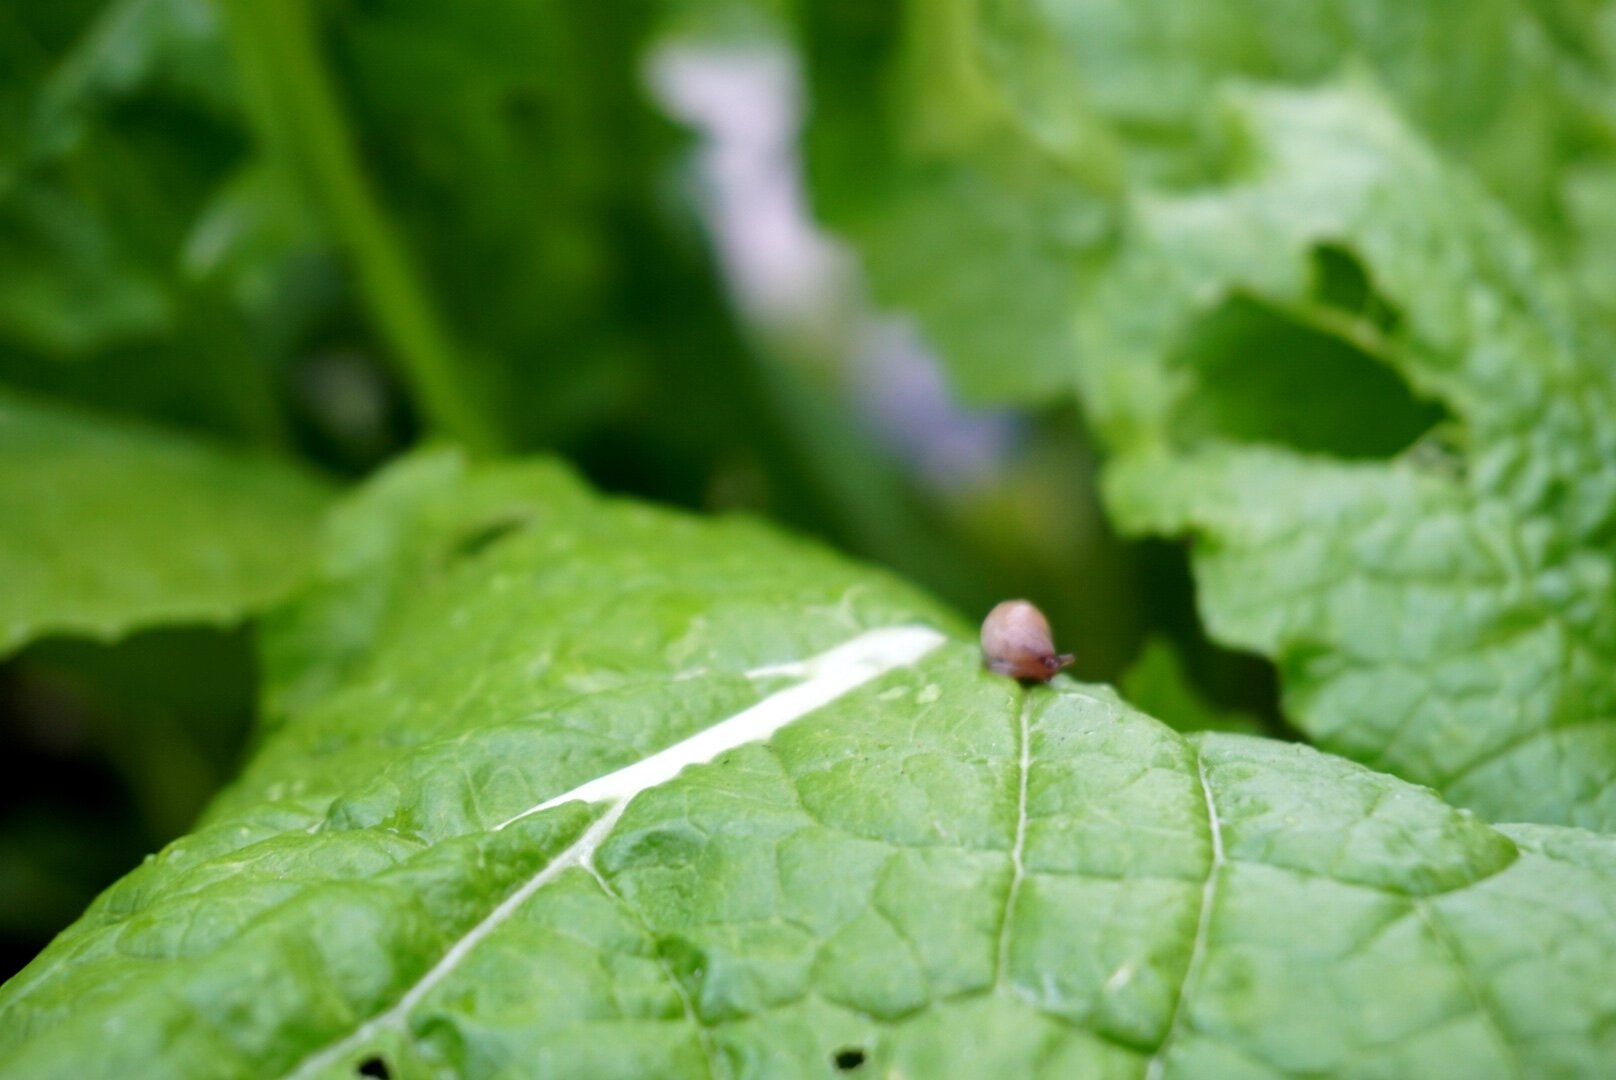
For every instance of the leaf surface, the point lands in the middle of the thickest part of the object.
(111, 526)
(1438, 608)
(1328, 324)
(447, 856)
(976, 151)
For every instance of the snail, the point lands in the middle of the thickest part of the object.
(1016, 642)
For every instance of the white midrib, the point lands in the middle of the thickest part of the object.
(1192, 972)
(826, 677)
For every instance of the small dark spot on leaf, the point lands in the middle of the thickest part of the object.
(848, 1058)
(477, 540)
(374, 1066)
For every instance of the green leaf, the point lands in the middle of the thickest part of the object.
(973, 150)
(1329, 275)
(556, 785)
(171, 46)
(111, 527)
(961, 220)
(1497, 85)
(123, 132)
(68, 288)
(1444, 613)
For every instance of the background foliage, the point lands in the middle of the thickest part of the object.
(314, 240)
(1325, 290)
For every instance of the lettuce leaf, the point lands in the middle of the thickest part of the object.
(1442, 612)
(113, 526)
(978, 152)
(555, 785)
(1330, 324)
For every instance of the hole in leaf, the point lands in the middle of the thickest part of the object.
(475, 541)
(848, 1058)
(374, 1066)
(1261, 375)
(1341, 282)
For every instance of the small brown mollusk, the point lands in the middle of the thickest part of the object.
(1016, 642)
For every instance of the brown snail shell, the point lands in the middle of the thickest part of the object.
(1016, 642)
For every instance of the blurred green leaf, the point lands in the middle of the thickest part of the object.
(305, 130)
(958, 216)
(123, 125)
(975, 150)
(133, 46)
(1495, 84)
(86, 294)
(113, 526)
(501, 185)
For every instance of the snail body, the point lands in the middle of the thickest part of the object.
(1016, 642)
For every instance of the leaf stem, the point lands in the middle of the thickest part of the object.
(300, 117)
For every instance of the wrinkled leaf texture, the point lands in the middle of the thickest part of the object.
(977, 150)
(936, 872)
(1443, 613)
(1331, 330)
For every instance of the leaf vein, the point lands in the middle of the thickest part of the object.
(1192, 970)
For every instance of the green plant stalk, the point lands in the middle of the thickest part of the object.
(300, 118)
